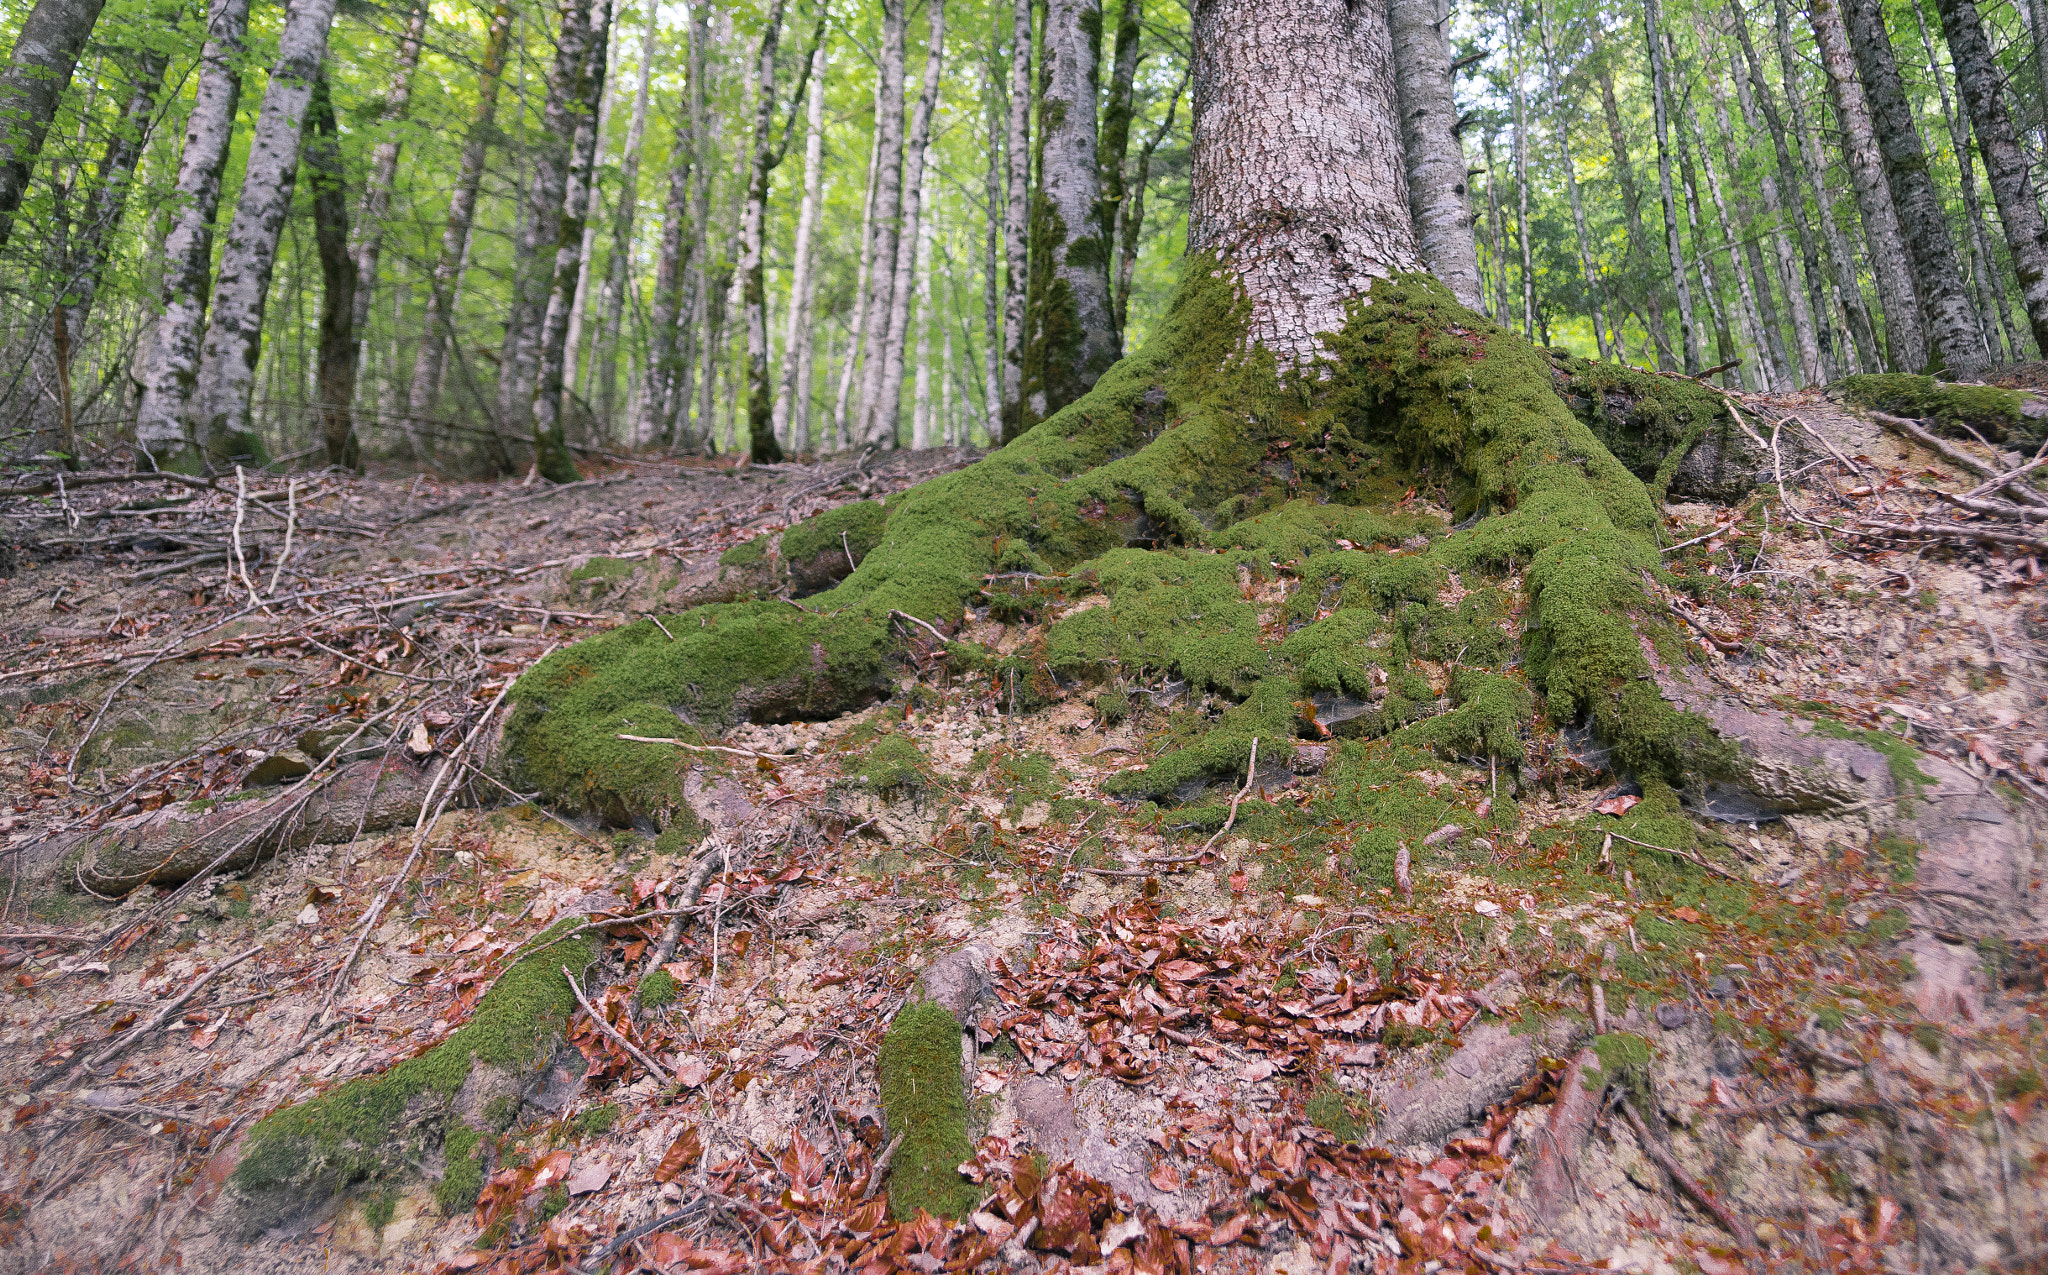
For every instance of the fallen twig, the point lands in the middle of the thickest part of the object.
(162, 1015)
(943, 640)
(1720, 1212)
(701, 748)
(881, 1166)
(1250, 769)
(1956, 455)
(1686, 855)
(653, 1067)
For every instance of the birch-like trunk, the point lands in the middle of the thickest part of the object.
(856, 332)
(698, 331)
(38, 71)
(1953, 336)
(1496, 234)
(921, 378)
(879, 428)
(1905, 338)
(1435, 157)
(1302, 195)
(1688, 325)
(592, 209)
(1711, 290)
(1760, 336)
(1992, 311)
(1133, 219)
(886, 228)
(339, 350)
(992, 255)
(1070, 337)
(2019, 205)
(618, 269)
(241, 287)
(1815, 339)
(376, 206)
(768, 153)
(92, 242)
(659, 401)
(1016, 416)
(792, 415)
(1748, 249)
(586, 99)
(173, 363)
(1561, 126)
(438, 330)
(1632, 208)
(1521, 118)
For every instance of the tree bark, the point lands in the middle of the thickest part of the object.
(1561, 126)
(1521, 120)
(1071, 337)
(768, 154)
(921, 376)
(2019, 206)
(1688, 326)
(1810, 328)
(234, 334)
(440, 320)
(1303, 195)
(618, 271)
(1435, 158)
(338, 283)
(1760, 336)
(173, 363)
(1016, 416)
(1952, 332)
(376, 206)
(1750, 268)
(1992, 313)
(1133, 220)
(992, 251)
(792, 393)
(880, 427)
(856, 332)
(584, 100)
(38, 72)
(886, 228)
(92, 242)
(1632, 208)
(700, 331)
(1711, 289)
(659, 399)
(1905, 338)
(592, 208)
(1113, 147)
(1496, 235)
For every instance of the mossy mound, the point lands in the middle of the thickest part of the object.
(827, 547)
(657, 989)
(1648, 421)
(892, 766)
(925, 1100)
(377, 1126)
(1956, 410)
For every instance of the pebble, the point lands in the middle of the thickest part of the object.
(1671, 1016)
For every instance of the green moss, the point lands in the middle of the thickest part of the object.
(748, 553)
(1829, 1018)
(1625, 1061)
(658, 988)
(553, 1201)
(892, 765)
(1348, 1116)
(610, 570)
(1889, 924)
(1899, 754)
(2018, 1084)
(1902, 852)
(462, 1181)
(860, 524)
(594, 1122)
(365, 1128)
(925, 1100)
(379, 1209)
(1954, 409)
(1649, 422)
(1929, 1037)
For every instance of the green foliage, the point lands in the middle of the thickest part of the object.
(595, 1122)
(749, 552)
(462, 1181)
(924, 1099)
(1902, 852)
(893, 765)
(826, 538)
(379, 1209)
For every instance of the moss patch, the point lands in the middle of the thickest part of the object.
(1349, 1116)
(658, 988)
(1956, 410)
(925, 1100)
(892, 765)
(818, 549)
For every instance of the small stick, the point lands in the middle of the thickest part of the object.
(851, 565)
(1733, 1224)
(241, 564)
(1720, 643)
(920, 623)
(1693, 859)
(652, 1066)
(1955, 455)
(291, 523)
(1250, 768)
(157, 1019)
(663, 627)
(881, 1166)
(701, 748)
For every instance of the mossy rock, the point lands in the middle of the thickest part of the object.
(827, 547)
(1956, 410)
(377, 1127)
(924, 1099)
(598, 579)
(1674, 434)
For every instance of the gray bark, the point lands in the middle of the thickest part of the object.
(856, 332)
(1688, 326)
(1016, 225)
(1113, 148)
(1905, 339)
(1522, 190)
(38, 71)
(384, 170)
(1815, 339)
(1131, 221)
(886, 227)
(1755, 276)
(1632, 208)
(992, 256)
(2019, 205)
(574, 366)
(234, 333)
(93, 239)
(618, 272)
(439, 327)
(1435, 157)
(1072, 336)
(660, 400)
(1992, 310)
(1760, 336)
(1711, 290)
(880, 426)
(1302, 194)
(339, 335)
(173, 361)
(1952, 332)
(793, 390)
(1495, 236)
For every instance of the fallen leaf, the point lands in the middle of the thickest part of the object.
(589, 1176)
(309, 916)
(1229, 1232)
(1615, 805)
(1257, 1070)
(470, 942)
(682, 1155)
(1688, 914)
(791, 1057)
(693, 1072)
(1165, 1177)
(1486, 907)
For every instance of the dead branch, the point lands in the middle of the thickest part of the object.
(1686, 855)
(1956, 455)
(1250, 769)
(1729, 1220)
(162, 1015)
(1992, 508)
(654, 1068)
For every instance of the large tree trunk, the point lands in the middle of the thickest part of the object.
(1304, 196)
(1016, 225)
(38, 71)
(1905, 338)
(173, 364)
(1952, 332)
(792, 421)
(1688, 325)
(234, 333)
(1810, 328)
(1071, 334)
(339, 282)
(376, 206)
(1435, 157)
(879, 429)
(886, 228)
(2019, 206)
(1632, 207)
(439, 328)
(1993, 313)
(92, 241)
(1114, 145)
(584, 98)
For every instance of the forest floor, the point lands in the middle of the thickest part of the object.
(1188, 1038)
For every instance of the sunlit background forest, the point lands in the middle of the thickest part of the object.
(1696, 209)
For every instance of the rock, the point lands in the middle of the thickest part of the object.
(1671, 1016)
(1729, 1059)
(276, 769)
(1721, 987)
(957, 981)
(1428, 1101)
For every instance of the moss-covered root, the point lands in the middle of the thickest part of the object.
(924, 1098)
(439, 1106)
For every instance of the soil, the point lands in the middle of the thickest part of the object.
(1856, 1078)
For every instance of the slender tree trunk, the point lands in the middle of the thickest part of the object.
(1496, 235)
(798, 328)
(1632, 208)
(1992, 311)
(1016, 227)
(1711, 290)
(856, 332)
(92, 244)
(38, 72)
(921, 377)
(173, 363)
(1688, 326)
(1113, 146)
(1071, 339)
(1521, 117)
(376, 206)
(618, 270)
(1814, 338)
(429, 361)
(234, 334)
(659, 401)
(1754, 276)
(584, 97)
(573, 362)
(1905, 338)
(1561, 126)
(699, 332)
(1435, 157)
(768, 153)
(2019, 205)
(948, 436)
(1953, 336)
(880, 427)
(992, 254)
(1771, 372)
(1133, 221)
(887, 227)
(338, 280)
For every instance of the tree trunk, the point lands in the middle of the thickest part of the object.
(376, 205)
(1810, 328)
(856, 332)
(886, 229)
(1133, 220)
(1905, 339)
(1953, 336)
(618, 270)
(1688, 326)
(1071, 337)
(1561, 125)
(338, 280)
(38, 71)
(1711, 290)
(592, 209)
(792, 409)
(1759, 336)
(659, 395)
(1751, 271)
(1016, 226)
(992, 252)
(173, 363)
(1303, 195)
(2019, 206)
(1435, 158)
(921, 376)
(699, 330)
(584, 99)
(768, 154)
(439, 327)
(1496, 235)
(93, 240)
(880, 426)
(1522, 188)
(234, 334)
(1113, 147)
(1993, 314)
(1632, 208)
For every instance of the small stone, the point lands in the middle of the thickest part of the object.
(309, 916)
(1721, 987)
(1671, 1016)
